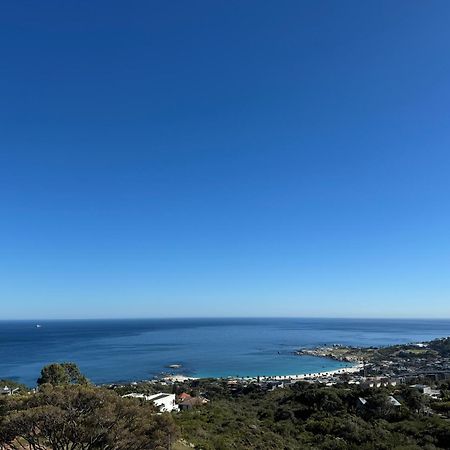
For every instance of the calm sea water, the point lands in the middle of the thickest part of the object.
(126, 350)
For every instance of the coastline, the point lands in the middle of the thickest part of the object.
(123, 351)
(316, 375)
(355, 367)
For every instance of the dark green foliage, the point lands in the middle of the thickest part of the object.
(306, 416)
(442, 346)
(21, 388)
(81, 417)
(413, 399)
(143, 387)
(61, 374)
(70, 414)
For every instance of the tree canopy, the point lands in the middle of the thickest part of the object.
(61, 374)
(316, 417)
(82, 417)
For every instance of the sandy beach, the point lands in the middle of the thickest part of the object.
(306, 376)
(178, 378)
(356, 368)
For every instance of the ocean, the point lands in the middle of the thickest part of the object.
(112, 351)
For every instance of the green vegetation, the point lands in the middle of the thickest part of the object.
(432, 349)
(442, 346)
(144, 387)
(306, 416)
(442, 407)
(67, 413)
(81, 417)
(61, 374)
(21, 388)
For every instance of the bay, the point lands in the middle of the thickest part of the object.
(110, 351)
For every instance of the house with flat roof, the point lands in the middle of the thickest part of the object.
(428, 390)
(165, 402)
(6, 390)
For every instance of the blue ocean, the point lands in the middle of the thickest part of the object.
(126, 350)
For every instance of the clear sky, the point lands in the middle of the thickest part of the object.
(224, 158)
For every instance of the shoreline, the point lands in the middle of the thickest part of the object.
(355, 367)
(316, 375)
(119, 364)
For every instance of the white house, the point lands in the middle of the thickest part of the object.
(8, 391)
(427, 390)
(165, 402)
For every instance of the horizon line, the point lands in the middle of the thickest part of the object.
(43, 319)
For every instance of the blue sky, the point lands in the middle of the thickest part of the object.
(225, 158)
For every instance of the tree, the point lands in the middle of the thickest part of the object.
(61, 374)
(83, 417)
(413, 398)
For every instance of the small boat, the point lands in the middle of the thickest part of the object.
(174, 366)
(38, 326)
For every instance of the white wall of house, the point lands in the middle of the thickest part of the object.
(165, 402)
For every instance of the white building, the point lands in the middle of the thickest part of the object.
(427, 390)
(165, 402)
(393, 401)
(8, 391)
